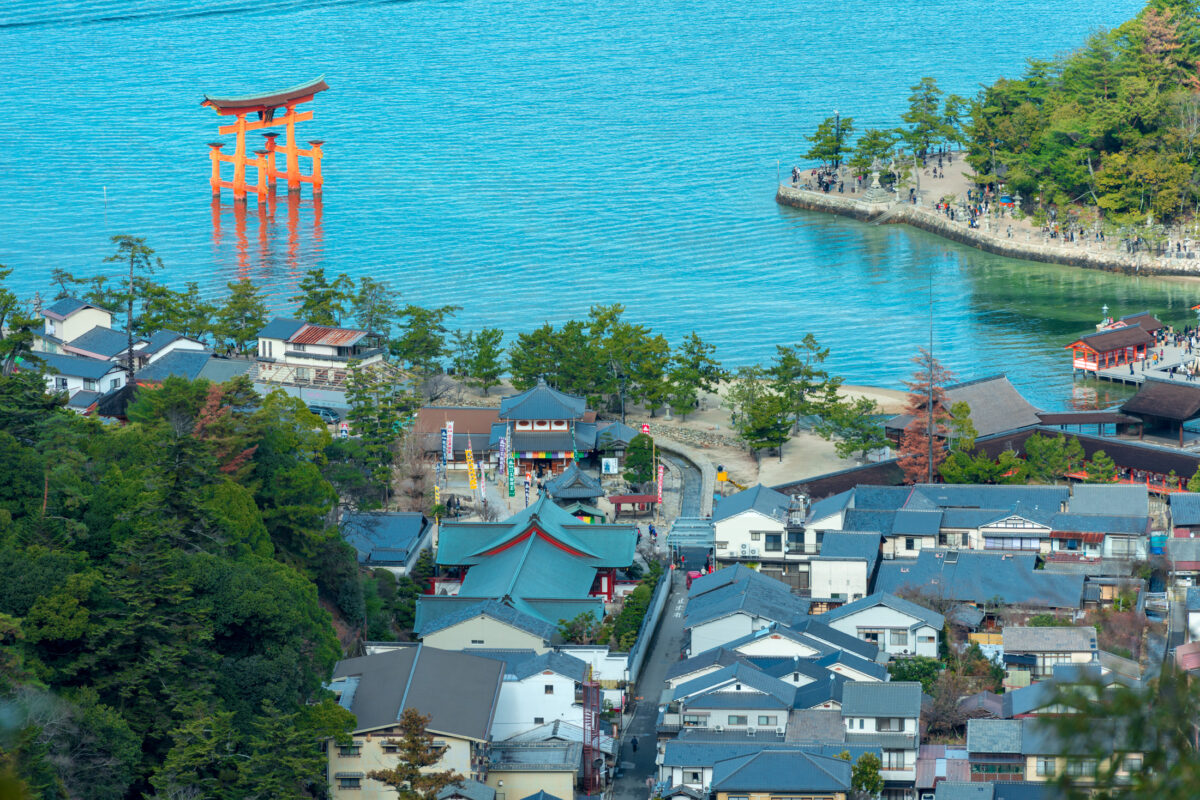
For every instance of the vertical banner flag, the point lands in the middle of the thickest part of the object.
(503, 451)
(471, 467)
(481, 483)
(646, 428)
(437, 495)
(512, 476)
(449, 441)
(526, 489)
(443, 444)
(661, 469)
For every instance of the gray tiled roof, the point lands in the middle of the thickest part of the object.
(995, 404)
(963, 790)
(926, 615)
(573, 484)
(1110, 499)
(852, 544)
(280, 328)
(960, 495)
(891, 699)
(82, 399)
(542, 402)
(221, 370)
(757, 498)
(830, 505)
(1192, 600)
(758, 598)
(992, 736)
(860, 519)
(781, 771)
(104, 342)
(923, 522)
(716, 657)
(67, 306)
(1183, 549)
(1185, 508)
(1019, 639)
(706, 686)
(521, 664)
(458, 691)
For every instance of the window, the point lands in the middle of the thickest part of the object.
(114, 383)
(299, 348)
(695, 721)
(721, 545)
(889, 724)
(871, 635)
(350, 750)
(900, 638)
(1123, 546)
(910, 543)
(694, 777)
(349, 783)
(1081, 767)
(89, 384)
(774, 542)
(737, 719)
(756, 537)
(1047, 766)
(61, 383)
(766, 720)
(477, 641)
(1131, 764)
(926, 639)
(861, 724)
(539, 720)
(388, 747)
(893, 759)
(549, 688)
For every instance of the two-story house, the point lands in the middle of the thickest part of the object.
(886, 715)
(771, 774)
(296, 352)
(457, 691)
(538, 688)
(733, 602)
(73, 374)
(66, 320)
(896, 626)
(1032, 653)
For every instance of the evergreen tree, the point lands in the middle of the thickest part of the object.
(829, 140)
(139, 257)
(374, 307)
(1101, 469)
(421, 342)
(921, 450)
(323, 302)
(487, 359)
(694, 369)
(762, 417)
(639, 460)
(873, 146)
(412, 777)
(925, 117)
(242, 316)
(855, 427)
(799, 379)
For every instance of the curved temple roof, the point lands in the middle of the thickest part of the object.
(264, 100)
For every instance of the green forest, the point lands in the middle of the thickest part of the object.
(1114, 125)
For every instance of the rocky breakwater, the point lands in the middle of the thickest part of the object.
(1018, 246)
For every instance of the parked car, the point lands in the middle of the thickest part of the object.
(327, 414)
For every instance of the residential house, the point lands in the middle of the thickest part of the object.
(896, 626)
(192, 365)
(538, 688)
(159, 344)
(391, 540)
(751, 526)
(1183, 559)
(1042, 698)
(525, 769)
(938, 764)
(886, 715)
(994, 750)
(458, 692)
(733, 602)
(489, 624)
(846, 567)
(542, 562)
(771, 773)
(72, 373)
(1031, 654)
(1004, 790)
(549, 429)
(982, 579)
(738, 697)
(1192, 608)
(292, 351)
(1185, 513)
(471, 427)
(66, 320)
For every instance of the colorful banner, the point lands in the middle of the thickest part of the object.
(503, 448)
(527, 490)
(443, 444)
(661, 470)
(512, 477)
(471, 467)
(437, 495)
(482, 484)
(449, 441)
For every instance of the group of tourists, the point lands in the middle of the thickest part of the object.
(823, 180)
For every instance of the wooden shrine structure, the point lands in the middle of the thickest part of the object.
(262, 109)
(1110, 348)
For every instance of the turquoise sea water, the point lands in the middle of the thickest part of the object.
(527, 159)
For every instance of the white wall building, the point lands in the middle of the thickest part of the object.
(896, 626)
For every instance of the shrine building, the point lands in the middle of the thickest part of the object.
(549, 429)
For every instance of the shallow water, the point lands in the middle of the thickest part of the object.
(525, 160)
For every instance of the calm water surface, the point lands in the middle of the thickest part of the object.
(527, 159)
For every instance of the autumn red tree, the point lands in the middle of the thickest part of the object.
(928, 382)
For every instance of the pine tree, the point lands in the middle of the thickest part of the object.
(242, 316)
(411, 777)
(921, 449)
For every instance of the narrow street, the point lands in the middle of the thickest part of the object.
(666, 646)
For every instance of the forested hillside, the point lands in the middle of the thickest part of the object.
(1114, 125)
(161, 632)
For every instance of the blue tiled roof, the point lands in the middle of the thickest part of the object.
(757, 498)
(573, 484)
(468, 790)
(999, 496)
(926, 615)
(542, 402)
(491, 608)
(1110, 499)
(879, 699)
(521, 664)
(77, 366)
(781, 771)
(754, 597)
(867, 667)
(852, 544)
(384, 537)
(830, 505)
(280, 328)
(980, 577)
(68, 306)
(917, 523)
(160, 339)
(82, 400)
(1102, 523)
(1185, 508)
(881, 498)
(991, 736)
(780, 692)
(185, 364)
(104, 342)
(857, 519)
(716, 657)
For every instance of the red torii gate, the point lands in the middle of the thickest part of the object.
(265, 105)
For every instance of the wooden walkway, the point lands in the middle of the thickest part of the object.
(1176, 357)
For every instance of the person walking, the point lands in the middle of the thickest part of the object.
(633, 744)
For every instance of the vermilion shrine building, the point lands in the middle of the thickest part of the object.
(1110, 348)
(262, 109)
(549, 429)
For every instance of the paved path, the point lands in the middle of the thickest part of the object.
(666, 646)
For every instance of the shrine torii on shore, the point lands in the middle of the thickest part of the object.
(264, 107)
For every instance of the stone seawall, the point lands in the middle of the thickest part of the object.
(939, 225)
